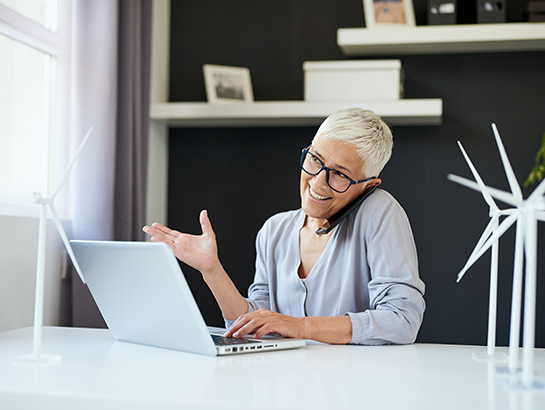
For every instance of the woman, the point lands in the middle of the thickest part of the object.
(356, 284)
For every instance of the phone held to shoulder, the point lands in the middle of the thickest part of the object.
(343, 213)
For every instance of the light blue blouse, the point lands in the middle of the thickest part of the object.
(368, 270)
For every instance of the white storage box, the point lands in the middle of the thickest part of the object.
(353, 80)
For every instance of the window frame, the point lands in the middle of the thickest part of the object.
(59, 46)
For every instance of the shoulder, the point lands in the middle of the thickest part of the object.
(380, 209)
(380, 199)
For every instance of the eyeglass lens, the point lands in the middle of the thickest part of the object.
(335, 179)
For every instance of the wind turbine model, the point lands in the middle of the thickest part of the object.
(45, 203)
(526, 214)
(495, 214)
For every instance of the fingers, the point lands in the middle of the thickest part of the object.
(243, 326)
(265, 330)
(163, 232)
(262, 322)
(236, 325)
(206, 226)
(162, 228)
(198, 251)
(160, 233)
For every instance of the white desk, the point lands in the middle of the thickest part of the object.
(100, 373)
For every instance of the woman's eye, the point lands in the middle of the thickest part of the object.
(338, 174)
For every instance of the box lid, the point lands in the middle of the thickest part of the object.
(352, 65)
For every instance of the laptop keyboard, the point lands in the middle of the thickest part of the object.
(227, 341)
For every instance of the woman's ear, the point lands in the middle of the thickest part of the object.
(371, 184)
(375, 182)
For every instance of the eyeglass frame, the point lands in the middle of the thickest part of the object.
(306, 151)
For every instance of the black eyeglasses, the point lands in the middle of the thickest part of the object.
(336, 180)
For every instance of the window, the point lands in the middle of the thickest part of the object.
(34, 84)
(43, 12)
(25, 86)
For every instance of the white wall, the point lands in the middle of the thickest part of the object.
(18, 251)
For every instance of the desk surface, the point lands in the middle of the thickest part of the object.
(99, 372)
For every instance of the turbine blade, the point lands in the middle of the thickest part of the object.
(513, 183)
(67, 245)
(5, 196)
(472, 258)
(478, 178)
(503, 196)
(507, 211)
(538, 191)
(69, 167)
(540, 215)
(504, 226)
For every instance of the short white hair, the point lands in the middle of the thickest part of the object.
(365, 131)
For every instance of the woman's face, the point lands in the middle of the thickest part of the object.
(318, 200)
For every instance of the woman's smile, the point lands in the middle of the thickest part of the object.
(315, 195)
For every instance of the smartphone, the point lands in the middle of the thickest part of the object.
(343, 213)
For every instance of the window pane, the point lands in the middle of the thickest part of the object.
(41, 11)
(24, 117)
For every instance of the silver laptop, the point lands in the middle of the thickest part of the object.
(144, 298)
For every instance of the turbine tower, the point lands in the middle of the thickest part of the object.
(46, 203)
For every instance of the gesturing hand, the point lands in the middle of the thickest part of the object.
(263, 321)
(198, 251)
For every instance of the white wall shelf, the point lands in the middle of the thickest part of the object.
(291, 113)
(469, 38)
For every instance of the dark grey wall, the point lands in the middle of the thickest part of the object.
(244, 175)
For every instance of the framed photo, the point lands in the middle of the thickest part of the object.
(388, 13)
(225, 84)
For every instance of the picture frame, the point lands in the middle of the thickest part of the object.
(388, 13)
(227, 84)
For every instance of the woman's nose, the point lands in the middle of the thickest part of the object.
(321, 178)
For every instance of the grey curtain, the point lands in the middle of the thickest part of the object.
(133, 95)
(112, 81)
